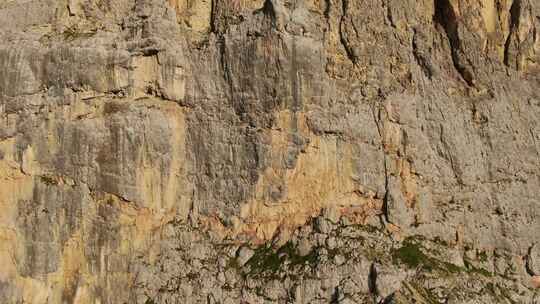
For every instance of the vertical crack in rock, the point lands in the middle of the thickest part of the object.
(376, 111)
(515, 11)
(343, 37)
(372, 280)
(446, 17)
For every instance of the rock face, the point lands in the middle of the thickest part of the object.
(269, 151)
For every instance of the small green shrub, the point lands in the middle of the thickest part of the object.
(410, 254)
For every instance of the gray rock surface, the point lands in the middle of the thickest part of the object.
(269, 151)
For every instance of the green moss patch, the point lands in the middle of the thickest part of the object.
(267, 260)
(412, 254)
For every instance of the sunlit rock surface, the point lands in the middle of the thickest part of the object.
(278, 151)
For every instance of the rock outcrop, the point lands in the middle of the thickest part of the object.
(269, 151)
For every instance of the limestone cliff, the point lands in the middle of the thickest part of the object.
(269, 151)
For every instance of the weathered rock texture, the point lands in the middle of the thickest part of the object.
(278, 151)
